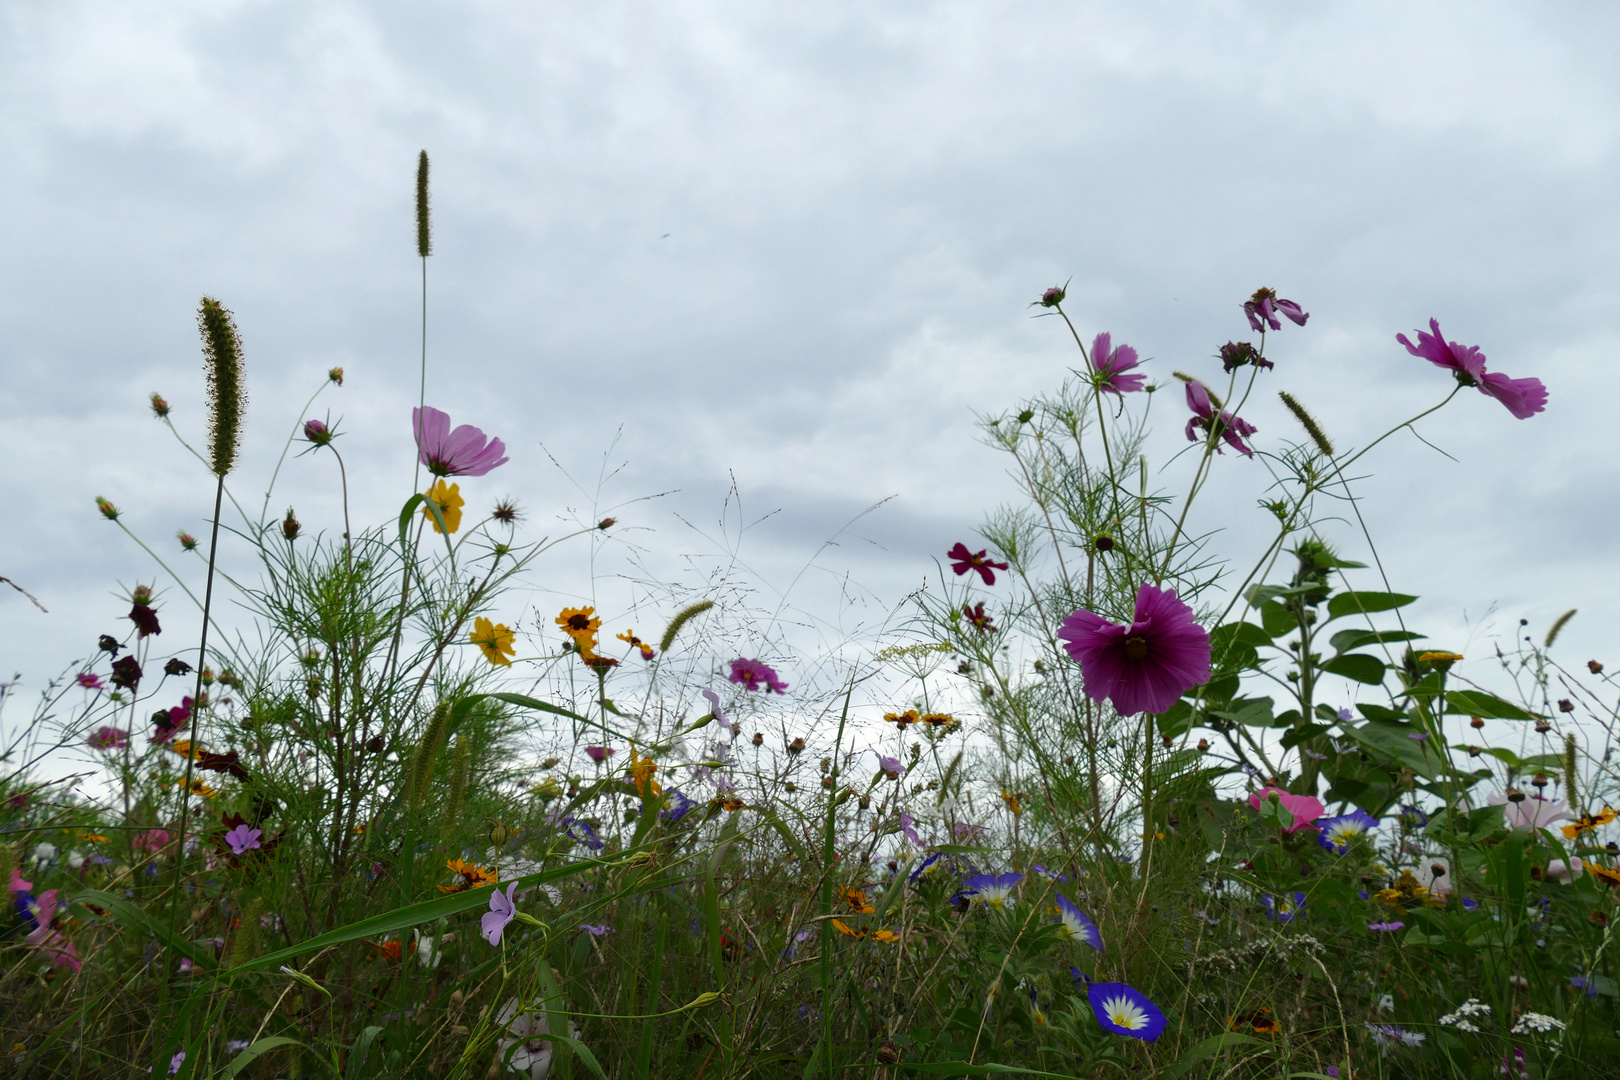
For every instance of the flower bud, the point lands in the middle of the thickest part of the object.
(1566, 705)
(160, 408)
(1103, 542)
(317, 432)
(336, 375)
(1476, 723)
(290, 526)
(1053, 297)
(108, 510)
(1594, 667)
(187, 541)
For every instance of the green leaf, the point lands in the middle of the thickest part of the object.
(264, 1045)
(1491, 707)
(1392, 742)
(1345, 640)
(526, 702)
(1251, 712)
(1355, 603)
(1208, 1048)
(962, 1068)
(135, 916)
(1357, 666)
(1380, 712)
(405, 516)
(1278, 620)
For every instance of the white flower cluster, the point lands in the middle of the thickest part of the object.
(1463, 1018)
(1537, 1023)
(1278, 949)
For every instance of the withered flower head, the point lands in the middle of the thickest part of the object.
(160, 408)
(289, 525)
(506, 512)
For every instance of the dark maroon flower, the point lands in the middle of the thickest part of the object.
(109, 644)
(1143, 667)
(1110, 367)
(225, 763)
(1522, 397)
(126, 673)
(466, 451)
(1233, 429)
(1263, 307)
(290, 526)
(753, 673)
(1235, 354)
(176, 666)
(963, 560)
(976, 615)
(144, 618)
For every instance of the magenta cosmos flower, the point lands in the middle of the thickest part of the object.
(1265, 305)
(1234, 429)
(1143, 667)
(1305, 808)
(1110, 365)
(466, 451)
(753, 673)
(1523, 397)
(963, 560)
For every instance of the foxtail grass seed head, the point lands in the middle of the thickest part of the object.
(424, 221)
(227, 397)
(426, 752)
(460, 770)
(1308, 422)
(682, 617)
(1557, 628)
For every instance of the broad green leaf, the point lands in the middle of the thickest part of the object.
(1355, 603)
(1345, 640)
(1357, 666)
(1278, 620)
(264, 1045)
(1394, 742)
(1251, 712)
(1206, 1049)
(1380, 712)
(1491, 707)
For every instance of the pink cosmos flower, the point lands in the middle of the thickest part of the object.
(1234, 429)
(1143, 667)
(751, 673)
(1264, 306)
(963, 560)
(51, 942)
(108, 738)
(598, 754)
(90, 680)
(17, 882)
(1109, 367)
(1522, 397)
(462, 452)
(1305, 808)
(152, 840)
(1530, 813)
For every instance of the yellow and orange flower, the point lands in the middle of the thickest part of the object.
(629, 637)
(495, 640)
(857, 901)
(447, 497)
(1014, 801)
(901, 720)
(938, 719)
(471, 876)
(845, 929)
(641, 771)
(1604, 873)
(885, 935)
(1588, 822)
(732, 804)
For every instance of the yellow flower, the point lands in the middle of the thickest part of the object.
(732, 804)
(641, 773)
(449, 500)
(581, 624)
(629, 637)
(857, 901)
(472, 876)
(1014, 803)
(1446, 658)
(186, 748)
(1587, 822)
(844, 929)
(495, 639)
(200, 788)
(900, 720)
(937, 719)
(1604, 873)
(886, 935)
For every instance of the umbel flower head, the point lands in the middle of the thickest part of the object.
(1522, 397)
(466, 451)
(1147, 665)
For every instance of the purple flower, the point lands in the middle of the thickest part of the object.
(465, 451)
(317, 432)
(108, 738)
(1419, 736)
(1143, 667)
(908, 826)
(1339, 832)
(963, 560)
(1110, 365)
(719, 717)
(1263, 307)
(1386, 927)
(596, 931)
(243, 839)
(751, 673)
(676, 806)
(1236, 354)
(1523, 397)
(1125, 1011)
(598, 754)
(890, 765)
(1048, 874)
(1234, 429)
(992, 889)
(1076, 925)
(502, 910)
(1285, 910)
(90, 680)
(176, 1061)
(1520, 1066)
(1580, 982)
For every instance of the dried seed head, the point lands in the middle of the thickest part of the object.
(227, 397)
(1594, 667)
(1476, 722)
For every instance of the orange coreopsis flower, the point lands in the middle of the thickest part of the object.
(471, 876)
(843, 928)
(641, 771)
(885, 935)
(857, 901)
(581, 624)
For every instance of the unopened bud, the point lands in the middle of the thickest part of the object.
(290, 526)
(160, 408)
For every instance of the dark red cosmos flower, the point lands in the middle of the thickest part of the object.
(126, 673)
(1144, 666)
(976, 615)
(144, 618)
(963, 560)
(223, 763)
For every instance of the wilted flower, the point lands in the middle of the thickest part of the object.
(1147, 665)
(1125, 1011)
(963, 560)
(1234, 429)
(142, 615)
(754, 673)
(1236, 354)
(1522, 397)
(1263, 307)
(290, 528)
(466, 451)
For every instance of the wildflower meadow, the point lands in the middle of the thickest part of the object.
(1111, 796)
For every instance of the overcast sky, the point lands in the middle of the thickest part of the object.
(793, 246)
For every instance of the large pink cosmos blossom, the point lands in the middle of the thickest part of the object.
(1110, 366)
(1305, 808)
(51, 942)
(466, 451)
(1530, 813)
(1234, 429)
(752, 674)
(1523, 397)
(1143, 667)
